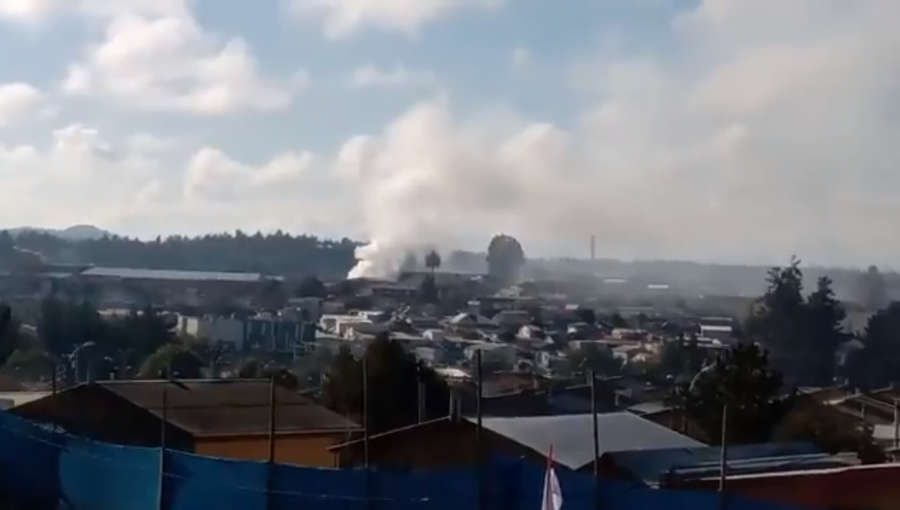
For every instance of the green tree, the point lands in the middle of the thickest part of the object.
(741, 381)
(592, 357)
(9, 333)
(505, 259)
(29, 365)
(877, 364)
(311, 286)
(432, 261)
(824, 319)
(587, 315)
(680, 358)
(778, 320)
(830, 430)
(394, 377)
(428, 290)
(617, 321)
(172, 360)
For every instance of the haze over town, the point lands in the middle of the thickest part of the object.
(718, 130)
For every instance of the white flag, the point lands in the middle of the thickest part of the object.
(552, 494)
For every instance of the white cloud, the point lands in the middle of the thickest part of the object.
(396, 77)
(36, 11)
(170, 63)
(343, 19)
(766, 128)
(18, 102)
(520, 58)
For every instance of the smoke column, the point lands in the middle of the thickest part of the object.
(752, 135)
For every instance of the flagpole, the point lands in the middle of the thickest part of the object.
(548, 497)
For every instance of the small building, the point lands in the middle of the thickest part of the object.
(220, 417)
(450, 442)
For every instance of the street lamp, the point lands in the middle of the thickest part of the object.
(73, 358)
(723, 460)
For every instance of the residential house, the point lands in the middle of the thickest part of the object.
(502, 355)
(512, 319)
(468, 322)
(220, 418)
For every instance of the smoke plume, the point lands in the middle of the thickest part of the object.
(759, 129)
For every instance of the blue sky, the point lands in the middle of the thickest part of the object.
(707, 129)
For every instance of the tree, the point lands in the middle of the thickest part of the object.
(505, 259)
(830, 430)
(617, 321)
(428, 290)
(680, 358)
(311, 286)
(824, 319)
(741, 379)
(29, 365)
(593, 357)
(9, 333)
(432, 261)
(587, 315)
(778, 319)
(172, 360)
(872, 289)
(394, 378)
(877, 364)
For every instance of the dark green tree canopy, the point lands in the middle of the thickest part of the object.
(172, 361)
(394, 381)
(505, 258)
(741, 379)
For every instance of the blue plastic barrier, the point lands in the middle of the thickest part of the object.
(42, 469)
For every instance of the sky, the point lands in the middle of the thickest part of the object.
(711, 130)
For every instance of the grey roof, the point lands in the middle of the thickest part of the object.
(572, 435)
(652, 465)
(170, 274)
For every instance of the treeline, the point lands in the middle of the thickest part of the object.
(278, 253)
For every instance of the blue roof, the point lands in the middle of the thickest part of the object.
(652, 465)
(173, 275)
(571, 436)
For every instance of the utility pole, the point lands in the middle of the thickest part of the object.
(479, 383)
(595, 425)
(270, 475)
(723, 461)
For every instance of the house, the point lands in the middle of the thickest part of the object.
(463, 322)
(503, 355)
(220, 418)
(450, 442)
(512, 319)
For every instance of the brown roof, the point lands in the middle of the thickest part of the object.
(228, 406)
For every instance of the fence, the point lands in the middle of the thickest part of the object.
(45, 470)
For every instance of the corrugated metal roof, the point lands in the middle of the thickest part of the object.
(228, 407)
(651, 465)
(572, 435)
(171, 274)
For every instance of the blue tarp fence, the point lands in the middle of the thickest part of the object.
(42, 469)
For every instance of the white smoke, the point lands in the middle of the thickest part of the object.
(763, 129)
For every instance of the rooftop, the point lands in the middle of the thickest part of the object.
(571, 436)
(228, 406)
(172, 275)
